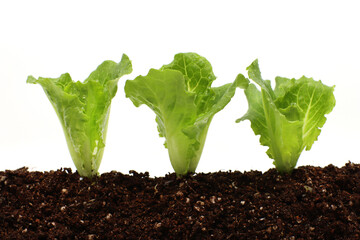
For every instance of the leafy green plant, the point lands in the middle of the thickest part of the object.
(288, 118)
(83, 110)
(184, 102)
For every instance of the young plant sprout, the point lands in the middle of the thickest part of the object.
(288, 118)
(184, 102)
(83, 110)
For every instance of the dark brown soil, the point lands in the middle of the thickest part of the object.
(312, 203)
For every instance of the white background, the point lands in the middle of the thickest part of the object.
(318, 39)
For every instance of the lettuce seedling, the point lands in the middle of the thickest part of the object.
(184, 102)
(83, 110)
(288, 118)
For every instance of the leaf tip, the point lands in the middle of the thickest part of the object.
(241, 81)
(126, 61)
(255, 64)
(31, 79)
(243, 118)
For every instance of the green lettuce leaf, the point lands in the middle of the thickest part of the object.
(83, 110)
(288, 118)
(184, 102)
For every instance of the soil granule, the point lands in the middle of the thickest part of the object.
(311, 203)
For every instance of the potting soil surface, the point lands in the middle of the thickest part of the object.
(311, 203)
